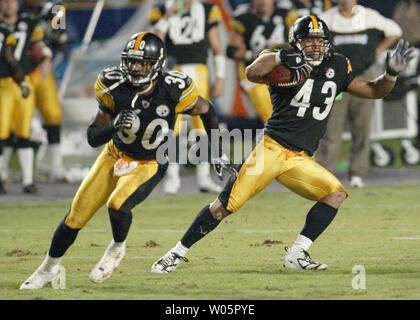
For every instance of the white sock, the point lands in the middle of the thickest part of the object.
(173, 170)
(26, 160)
(203, 170)
(49, 263)
(56, 158)
(302, 242)
(180, 249)
(115, 246)
(4, 168)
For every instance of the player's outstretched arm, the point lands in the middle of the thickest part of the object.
(396, 60)
(208, 115)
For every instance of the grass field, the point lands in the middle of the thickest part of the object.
(377, 227)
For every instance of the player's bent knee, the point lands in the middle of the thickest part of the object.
(335, 199)
(218, 211)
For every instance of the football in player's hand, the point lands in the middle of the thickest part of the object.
(281, 76)
(36, 53)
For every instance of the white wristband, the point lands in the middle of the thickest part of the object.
(390, 78)
(47, 52)
(277, 57)
(162, 25)
(248, 55)
(220, 66)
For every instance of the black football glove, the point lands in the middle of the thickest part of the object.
(223, 163)
(124, 120)
(295, 62)
(398, 58)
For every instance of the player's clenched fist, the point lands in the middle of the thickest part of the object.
(126, 119)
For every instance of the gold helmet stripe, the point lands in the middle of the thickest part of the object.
(138, 40)
(314, 22)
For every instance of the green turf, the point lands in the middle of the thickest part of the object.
(233, 262)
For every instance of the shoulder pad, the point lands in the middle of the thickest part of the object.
(109, 76)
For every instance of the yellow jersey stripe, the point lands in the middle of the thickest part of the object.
(314, 22)
(104, 98)
(138, 40)
(189, 99)
(237, 26)
(155, 14)
(215, 15)
(187, 91)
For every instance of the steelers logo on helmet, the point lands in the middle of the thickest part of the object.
(330, 73)
(142, 59)
(310, 36)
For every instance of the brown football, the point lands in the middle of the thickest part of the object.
(281, 77)
(37, 54)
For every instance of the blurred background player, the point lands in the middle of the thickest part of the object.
(407, 15)
(300, 8)
(261, 27)
(361, 34)
(45, 89)
(190, 29)
(17, 104)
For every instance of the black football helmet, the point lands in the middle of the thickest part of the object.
(310, 27)
(148, 49)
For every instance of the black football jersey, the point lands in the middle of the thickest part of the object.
(300, 113)
(54, 34)
(186, 39)
(259, 34)
(174, 93)
(299, 9)
(5, 31)
(27, 30)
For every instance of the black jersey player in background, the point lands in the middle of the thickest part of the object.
(261, 27)
(292, 134)
(16, 95)
(138, 103)
(190, 29)
(49, 14)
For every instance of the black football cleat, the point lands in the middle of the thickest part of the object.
(2, 189)
(31, 189)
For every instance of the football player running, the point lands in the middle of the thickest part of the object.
(291, 136)
(138, 103)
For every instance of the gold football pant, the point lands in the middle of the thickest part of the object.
(102, 186)
(46, 98)
(15, 111)
(269, 160)
(200, 74)
(258, 94)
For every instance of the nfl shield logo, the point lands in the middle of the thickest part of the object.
(145, 104)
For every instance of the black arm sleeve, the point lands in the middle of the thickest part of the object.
(98, 135)
(210, 121)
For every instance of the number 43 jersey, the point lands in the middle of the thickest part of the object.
(300, 113)
(174, 93)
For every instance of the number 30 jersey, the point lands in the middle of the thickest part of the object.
(174, 93)
(300, 113)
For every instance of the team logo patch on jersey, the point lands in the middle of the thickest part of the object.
(330, 73)
(162, 111)
(145, 104)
